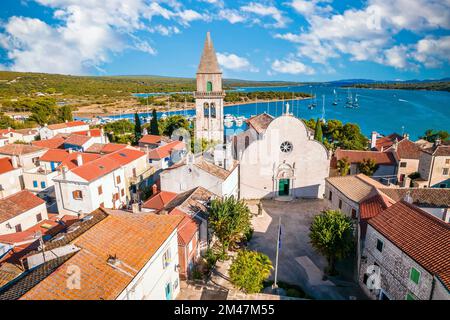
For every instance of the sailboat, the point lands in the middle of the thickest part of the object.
(349, 103)
(313, 102)
(355, 103)
(323, 109)
(335, 98)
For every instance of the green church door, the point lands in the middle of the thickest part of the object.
(283, 187)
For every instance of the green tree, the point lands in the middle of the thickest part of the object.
(368, 167)
(229, 219)
(65, 113)
(154, 128)
(343, 166)
(170, 124)
(6, 121)
(431, 135)
(249, 270)
(318, 131)
(42, 114)
(331, 234)
(137, 128)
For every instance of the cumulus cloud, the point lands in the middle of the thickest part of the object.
(368, 34)
(231, 15)
(261, 10)
(234, 62)
(291, 66)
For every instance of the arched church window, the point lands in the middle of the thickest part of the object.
(206, 110)
(247, 141)
(209, 86)
(213, 110)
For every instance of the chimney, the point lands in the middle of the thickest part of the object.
(70, 150)
(437, 142)
(373, 140)
(406, 136)
(135, 208)
(408, 198)
(14, 162)
(154, 189)
(79, 160)
(66, 121)
(395, 145)
(64, 170)
(89, 133)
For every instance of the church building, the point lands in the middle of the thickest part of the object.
(279, 159)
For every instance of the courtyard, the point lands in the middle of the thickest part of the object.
(299, 263)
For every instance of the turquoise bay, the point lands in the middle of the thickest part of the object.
(384, 111)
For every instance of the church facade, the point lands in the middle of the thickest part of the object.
(279, 159)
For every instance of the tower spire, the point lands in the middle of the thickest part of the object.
(208, 62)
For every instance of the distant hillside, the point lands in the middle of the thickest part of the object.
(13, 84)
(418, 85)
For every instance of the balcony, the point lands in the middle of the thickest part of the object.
(211, 94)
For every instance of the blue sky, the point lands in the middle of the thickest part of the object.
(300, 40)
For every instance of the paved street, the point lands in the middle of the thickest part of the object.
(298, 262)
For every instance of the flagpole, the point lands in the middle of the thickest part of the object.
(275, 285)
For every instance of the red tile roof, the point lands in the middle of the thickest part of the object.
(17, 204)
(151, 139)
(66, 125)
(54, 155)
(159, 200)
(357, 156)
(132, 239)
(5, 131)
(45, 227)
(71, 159)
(385, 142)
(96, 169)
(105, 148)
(164, 151)
(19, 149)
(418, 234)
(5, 165)
(77, 140)
(373, 205)
(406, 149)
(125, 156)
(260, 122)
(53, 143)
(91, 132)
(186, 229)
(439, 151)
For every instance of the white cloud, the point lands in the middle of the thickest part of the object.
(291, 66)
(368, 34)
(189, 15)
(259, 9)
(232, 16)
(432, 51)
(234, 62)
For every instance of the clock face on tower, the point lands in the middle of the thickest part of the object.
(286, 147)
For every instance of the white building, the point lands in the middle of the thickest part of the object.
(196, 171)
(122, 257)
(10, 177)
(281, 159)
(21, 211)
(14, 135)
(166, 155)
(26, 156)
(49, 131)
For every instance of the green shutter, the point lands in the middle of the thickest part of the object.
(209, 86)
(409, 296)
(414, 276)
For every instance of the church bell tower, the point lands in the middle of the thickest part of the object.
(209, 96)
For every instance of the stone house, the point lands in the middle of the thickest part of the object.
(406, 255)
(434, 167)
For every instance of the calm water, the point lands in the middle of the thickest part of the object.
(385, 111)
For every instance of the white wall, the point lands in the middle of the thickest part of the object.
(26, 219)
(10, 182)
(91, 199)
(150, 282)
(47, 133)
(32, 175)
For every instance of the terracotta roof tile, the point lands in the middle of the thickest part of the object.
(187, 227)
(405, 149)
(260, 122)
(71, 160)
(96, 169)
(18, 203)
(105, 148)
(5, 165)
(66, 125)
(53, 143)
(132, 238)
(439, 151)
(191, 201)
(421, 236)
(19, 149)
(149, 138)
(159, 200)
(125, 156)
(90, 132)
(423, 197)
(54, 155)
(357, 156)
(385, 142)
(211, 168)
(165, 150)
(77, 140)
(355, 187)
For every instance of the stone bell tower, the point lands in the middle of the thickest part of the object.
(209, 96)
